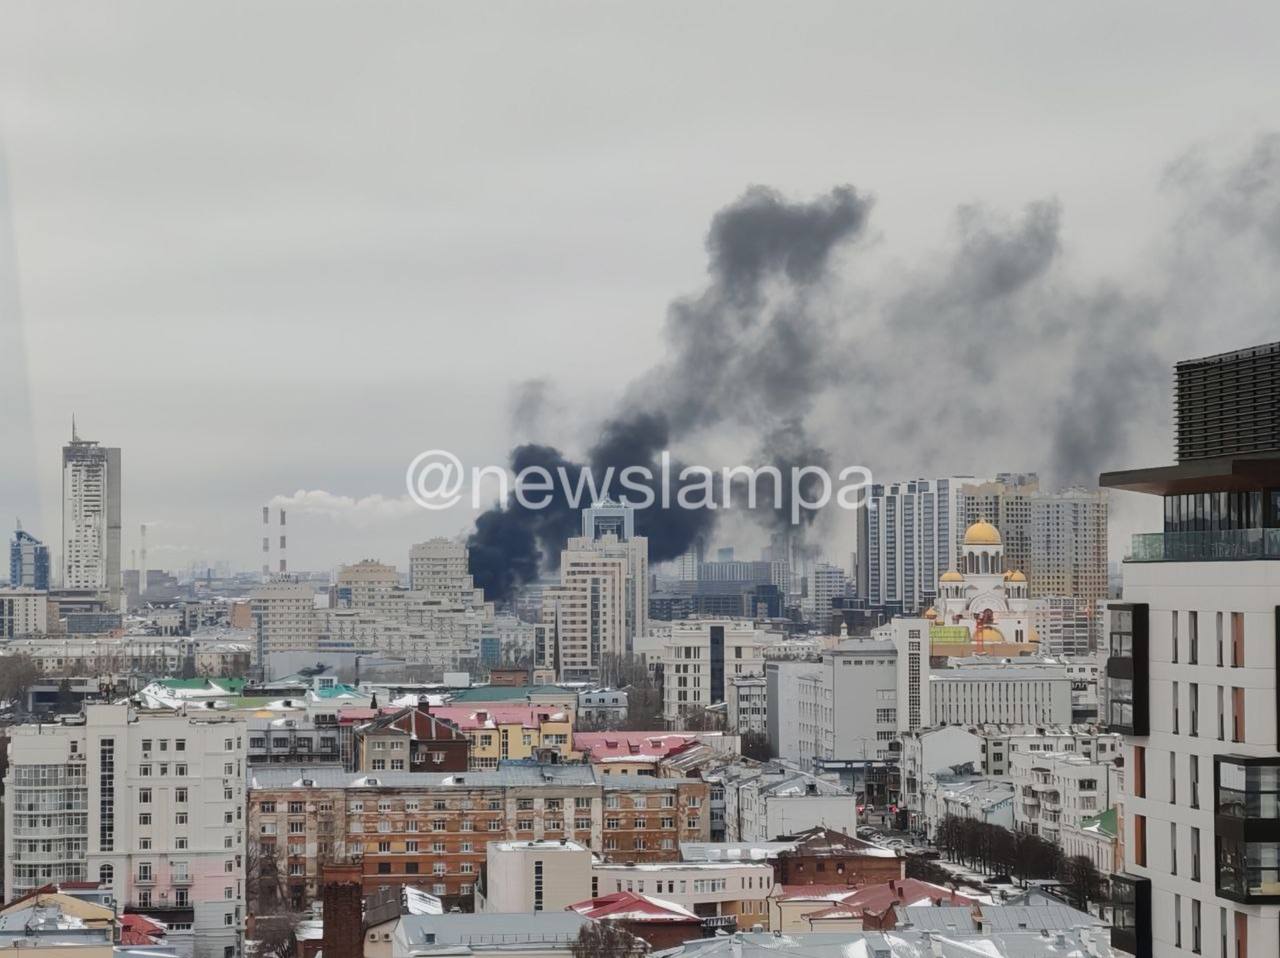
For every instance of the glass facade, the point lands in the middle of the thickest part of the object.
(1247, 827)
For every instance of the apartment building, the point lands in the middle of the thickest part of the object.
(699, 659)
(1056, 790)
(748, 704)
(499, 733)
(362, 584)
(23, 612)
(412, 740)
(284, 616)
(442, 568)
(1192, 675)
(645, 819)
(149, 803)
(773, 799)
(430, 830)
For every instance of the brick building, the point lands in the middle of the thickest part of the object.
(426, 829)
(823, 856)
(645, 819)
(412, 740)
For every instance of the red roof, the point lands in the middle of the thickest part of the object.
(467, 717)
(877, 899)
(140, 930)
(638, 745)
(628, 906)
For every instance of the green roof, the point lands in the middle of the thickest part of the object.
(1105, 823)
(334, 691)
(507, 693)
(231, 686)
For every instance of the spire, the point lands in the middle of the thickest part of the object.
(74, 437)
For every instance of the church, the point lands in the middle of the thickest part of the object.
(982, 608)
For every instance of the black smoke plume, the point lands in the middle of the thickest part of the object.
(746, 350)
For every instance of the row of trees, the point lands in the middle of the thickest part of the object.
(989, 848)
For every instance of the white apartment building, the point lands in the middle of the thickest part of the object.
(764, 802)
(799, 719)
(91, 518)
(535, 875)
(1056, 789)
(1193, 649)
(1065, 624)
(634, 553)
(827, 582)
(441, 568)
(1069, 544)
(23, 612)
(1001, 742)
(748, 704)
(284, 615)
(360, 585)
(584, 624)
(151, 804)
(445, 638)
(908, 535)
(701, 657)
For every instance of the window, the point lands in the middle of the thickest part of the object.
(144, 796)
(1177, 921)
(1174, 638)
(1174, 701)
(1140, 840)
(1219, 630)
(1173, 778)
(1195, 854)
(1195, 925)
(1237, 640)
(1173, 848)
(1193, 638)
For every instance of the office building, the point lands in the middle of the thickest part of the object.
(91, 518)
(1192, 675)
(150, 804)
(285, 618)
(28, 561)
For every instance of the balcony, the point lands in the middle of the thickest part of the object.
(1247, 827)
(1223, 545)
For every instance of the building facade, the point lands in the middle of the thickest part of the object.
(149, 804)
(91, 519)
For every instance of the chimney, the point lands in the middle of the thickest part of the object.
(142, 572)
(343, 897)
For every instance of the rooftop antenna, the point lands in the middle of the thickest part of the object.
(74, 437)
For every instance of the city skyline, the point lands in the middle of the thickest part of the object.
(250, 304)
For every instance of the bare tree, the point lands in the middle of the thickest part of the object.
(276, 935)
(17, 674)
(600, 939)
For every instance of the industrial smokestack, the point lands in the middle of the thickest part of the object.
(142, 571)
(284, 562)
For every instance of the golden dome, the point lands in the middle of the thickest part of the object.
(951, 575)
(1017, 576)
(931, 613)
(982, 533)
(988, 633)
(1008, 575)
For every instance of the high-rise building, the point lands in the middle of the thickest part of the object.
(1069, 544)
(363, 584)
(28, 561)
(584, 619)
(607, 517)
(441, 567)
(1005, 502)
(827, 582)
(284, 616)
(909, 533)
(91, 518)
(1191, 675)
(601, 525)
(150, 804)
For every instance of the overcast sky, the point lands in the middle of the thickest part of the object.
(266, 247)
